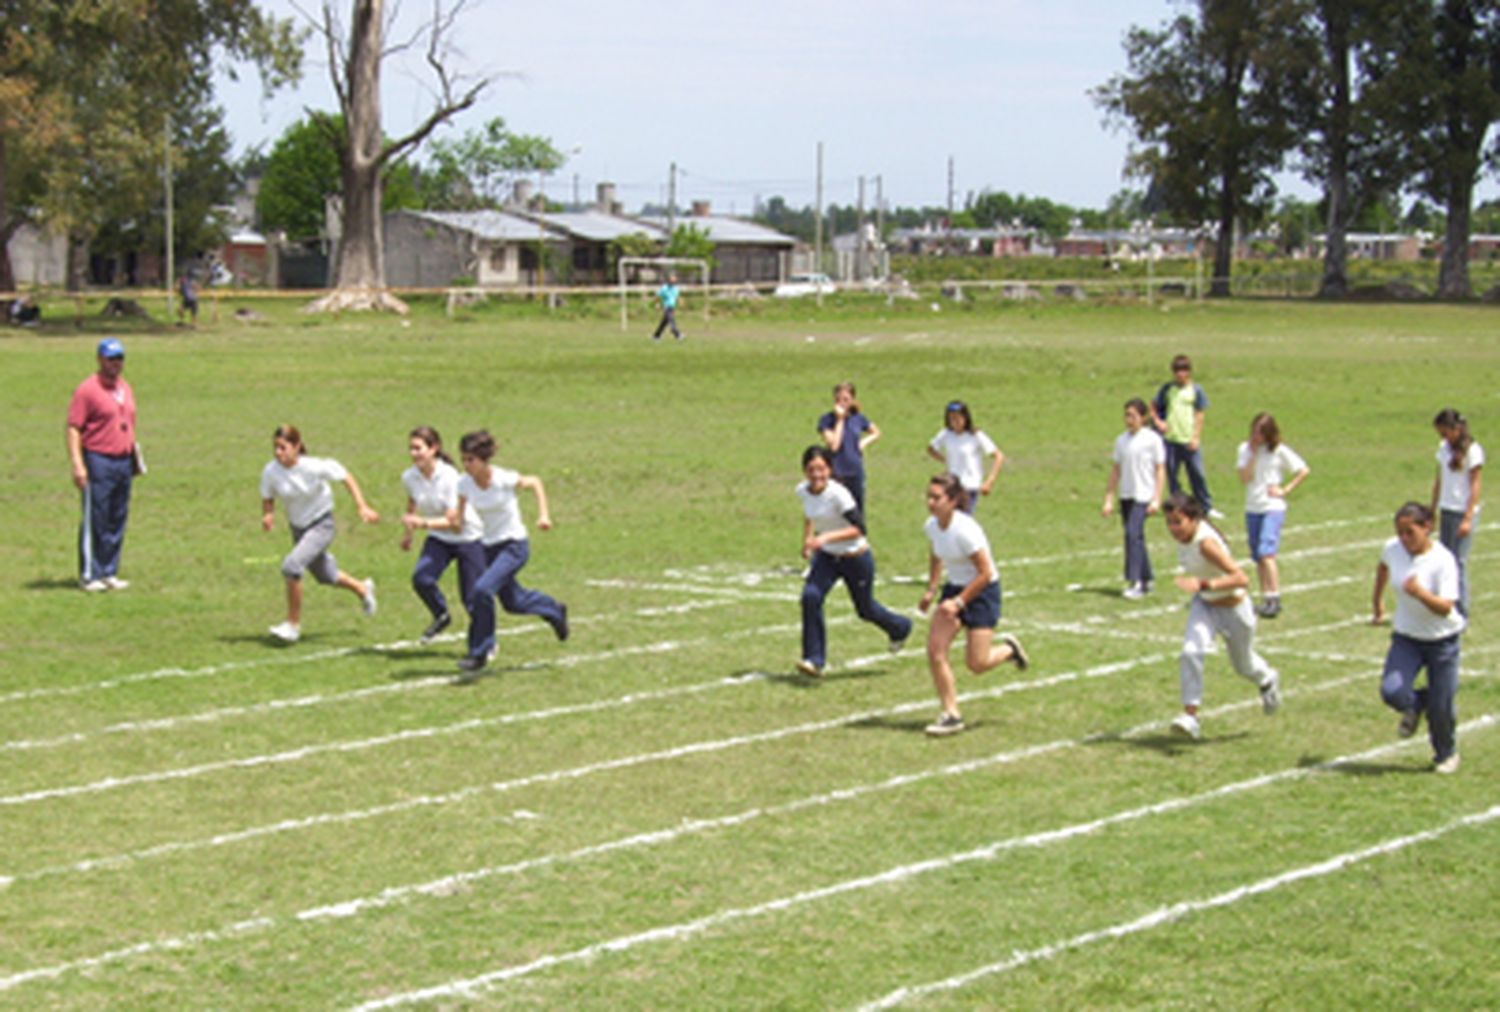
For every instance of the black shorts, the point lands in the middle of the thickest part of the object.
(981, 613)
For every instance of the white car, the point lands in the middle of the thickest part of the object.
(798, 285)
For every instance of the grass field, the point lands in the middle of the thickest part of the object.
(658, 813)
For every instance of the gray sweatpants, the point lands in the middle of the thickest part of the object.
(310, 552)
(1236, 623)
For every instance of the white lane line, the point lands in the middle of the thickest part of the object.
(1177, 911)
(474, 987)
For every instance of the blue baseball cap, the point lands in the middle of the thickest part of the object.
(111, 347)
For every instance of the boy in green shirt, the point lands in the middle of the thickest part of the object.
(1177, 413)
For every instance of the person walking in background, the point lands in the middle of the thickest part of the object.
(187, 289)
(961, 566)
(1177, 413)
(668, 295)
(1138, 473)
(105, 460)
(431, 491)
(1455, 492)
(1219, 607)
(1263, 462)
(963, 449)
(833, 542)
(848, 433)
(301, 483)
(491, 492)
(1424, 632)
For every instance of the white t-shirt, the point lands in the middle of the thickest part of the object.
(826, 510)
(499, 512)
(303, 489)
(1453, 486)
(1195, 564)
(1272, 467)
(964, 453)
(434, 497)
(1139, 454)
(954, 547)
(1436, 570)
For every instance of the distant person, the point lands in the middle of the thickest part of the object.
(105, 459)
(24, 312)
(301, 483)
(431, 491)
(963, 449)
(1139, 474)
(848, 433)
(668, 295)
(187, 288)
(1269, 470)
(1455, 492)
(1177, 413)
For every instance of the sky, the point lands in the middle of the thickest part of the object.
(739, 95)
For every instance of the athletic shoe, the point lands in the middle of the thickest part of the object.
(1410, 721)
(1187, 725)
(898, 643)
(1018, 655)
(286, 632)
(809, 669)
(1215, 514)
(115, 583)
(440, 623)
(368, 601)
(561, 628)
(1134, 592)
(1269, 608)
(1270, 694)
(1448, 765)
(945, 725)
(93, 586)
(473, 663)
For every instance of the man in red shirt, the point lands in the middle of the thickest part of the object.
(102, 448)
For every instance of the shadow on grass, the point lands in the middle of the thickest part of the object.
(910, 725)
(1168, 744)
(1114, 592)
(1363, 769)
(265, 639)
(797, 680)
(52, 584)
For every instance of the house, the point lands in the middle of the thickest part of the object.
(493, 249)
(586, 237)
(37, 257)
(744, 252)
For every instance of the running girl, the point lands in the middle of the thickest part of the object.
(962, 565)
(1264, 462)
(1219, 607)
(301, 483)
(1139, 473)
(848, 433)
(1424, 631)
(431, 491)
(833, 541)
(491, 491)
(963, 449)
(1455, 492)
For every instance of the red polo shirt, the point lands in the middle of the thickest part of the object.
(104, 415)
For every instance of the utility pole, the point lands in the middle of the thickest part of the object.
(880, 224)
(166, 172)
(672, 201)
(861, 251)
(818, 219)
(948, 240)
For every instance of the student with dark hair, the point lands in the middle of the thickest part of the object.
(301, 483)
(1177, 413)
(1264, 464)
(962, 449)
(848, 432)
(1138, 473)
(1220, 607)
(431, 491)
(1424, 632)
(833, 542)
(961, 575)
(1455, 492)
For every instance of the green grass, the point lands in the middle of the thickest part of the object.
(183, 802)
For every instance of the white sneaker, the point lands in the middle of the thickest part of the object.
(368, 601)
(286, 632)
(115, 583)
(1187, 725)
(1134, 592)
(1215, 514)
(1448, 765)
(1270, 694)
(809, 669)
(93, 586)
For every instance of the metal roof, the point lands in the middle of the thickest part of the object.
(596, 226)
(496, 226)
(728, 231)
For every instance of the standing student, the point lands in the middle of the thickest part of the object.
(848, 432)
(1455, 492)
(668, 295)
(1263, 462)
(1177, 413)
(962, 567)
(963, 449)
(431, 491)
(833, 542)
(1220, 607)
(1139, 473)
(491, 491)
(187, 288)
(1424, 632)
(104, 460)
(301, 483)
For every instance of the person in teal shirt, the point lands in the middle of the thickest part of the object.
(667, 295)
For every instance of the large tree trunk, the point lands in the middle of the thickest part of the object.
(7, 227)
(1336, 187)
(1219, 285)
(1453, 269)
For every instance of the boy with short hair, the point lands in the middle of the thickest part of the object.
(1177, 413)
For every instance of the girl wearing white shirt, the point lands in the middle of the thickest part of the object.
(1138, 473)
(1455, 492)
(301, 483)
(1219, 607)
(431, 491)
(491, 491)
(833, 541)
(1424, 631)
(963, 449)
(1264, 462)
(961, 564)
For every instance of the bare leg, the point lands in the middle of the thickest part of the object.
(940, 637)
(981, 654)
(349, 583)
(1270, 578)
(294, 601)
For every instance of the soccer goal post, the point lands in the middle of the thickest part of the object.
(662, 266)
